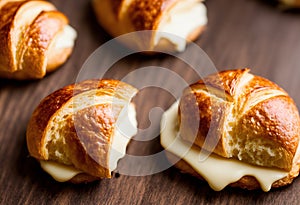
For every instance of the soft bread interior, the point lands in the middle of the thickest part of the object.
(217, 171)
(62, 172)
(250, 149)
(179, 22)
(55, 147)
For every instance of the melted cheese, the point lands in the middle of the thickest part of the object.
(59, 172)
(217, 171)
(66, 38)
(126, 128)
(183, 19)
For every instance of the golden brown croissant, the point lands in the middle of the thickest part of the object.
(173, 21)
(35, 39)
(79, 132)
(250, 125)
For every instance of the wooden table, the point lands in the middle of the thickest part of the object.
(240, 33)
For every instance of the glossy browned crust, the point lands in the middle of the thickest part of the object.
(246, 182)
(201, 118)
(28, 59)
(42, 31)
(87, 132)
(146, 14)
(112, 16)
(143, 14)
(88, 137)
(228, 81)
(117, 8)
(275, 119)
(56, 59)
(6, 22)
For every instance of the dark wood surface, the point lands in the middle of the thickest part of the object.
(240, 33)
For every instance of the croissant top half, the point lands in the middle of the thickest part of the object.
(236, 114)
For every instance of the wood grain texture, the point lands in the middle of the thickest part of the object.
(240, 33)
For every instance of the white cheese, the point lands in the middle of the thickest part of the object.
(216, 170)
(183, 19)
(59, 172)
(126, 128)
(66, 38)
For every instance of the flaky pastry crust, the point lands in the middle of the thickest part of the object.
(28, 30)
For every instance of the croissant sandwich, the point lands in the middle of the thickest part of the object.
(79, 133)
(234, 128)
(35, 39)
(171, 23)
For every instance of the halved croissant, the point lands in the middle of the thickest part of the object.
(244, 118)
(35, 39)
(82, 130)
(172, 22)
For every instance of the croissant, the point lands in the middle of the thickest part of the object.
(35, 39)
(79, 132)
(249, 124)
(172, 22)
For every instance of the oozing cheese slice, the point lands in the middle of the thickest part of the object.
(217, 171)
(183, 19)
(60, 47)
(126, 128)
(59, 172)
(66, 38)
